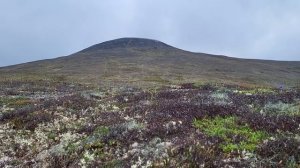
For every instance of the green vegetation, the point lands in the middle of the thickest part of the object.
(256, 91)
(63, 124)
(157, 79)
(101, 131)
(235, 136)
(15, 101)
(94, 142)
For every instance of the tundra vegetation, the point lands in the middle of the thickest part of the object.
(60, 124)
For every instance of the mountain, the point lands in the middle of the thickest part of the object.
(145, 61)
(137, 43)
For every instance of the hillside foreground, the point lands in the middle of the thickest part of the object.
(61, 124)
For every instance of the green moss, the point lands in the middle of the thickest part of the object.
(236, 137)
(71, 147)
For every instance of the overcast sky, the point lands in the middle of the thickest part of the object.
(264, 29)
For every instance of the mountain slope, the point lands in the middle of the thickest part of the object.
(141, 61)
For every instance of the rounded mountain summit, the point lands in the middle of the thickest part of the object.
(126, 43)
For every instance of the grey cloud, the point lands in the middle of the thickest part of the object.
(33, 29)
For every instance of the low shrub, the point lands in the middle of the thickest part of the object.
(271, 124)
(76, 102)
(18, 113)
(281, 152)
(31, 121)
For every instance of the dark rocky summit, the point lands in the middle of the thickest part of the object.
(128, 43)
